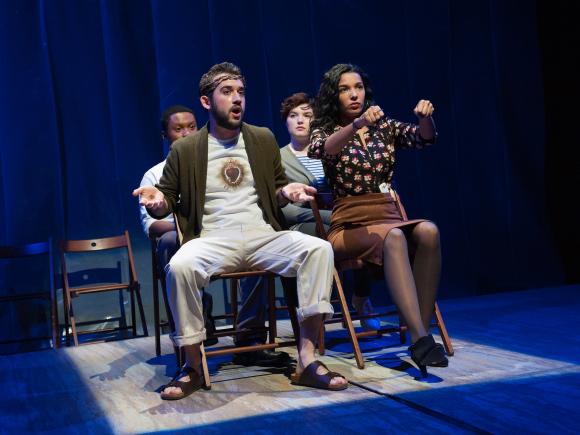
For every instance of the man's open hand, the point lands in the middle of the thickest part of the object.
(298, 192)
(151, 198)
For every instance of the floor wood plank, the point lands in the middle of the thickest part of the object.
(516, 368)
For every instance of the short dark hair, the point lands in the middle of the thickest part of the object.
(208, 82)
(326, 111)
(293, 101)
(172, 110)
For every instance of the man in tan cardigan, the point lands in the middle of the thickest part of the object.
(226, 185)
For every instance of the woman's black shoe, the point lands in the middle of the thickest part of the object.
(425, 352)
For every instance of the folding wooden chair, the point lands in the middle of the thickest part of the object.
(232, 331)
(132, 285)
(324, 201)
(271, 329)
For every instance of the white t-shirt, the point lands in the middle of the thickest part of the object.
(230, 197)
(151, 178)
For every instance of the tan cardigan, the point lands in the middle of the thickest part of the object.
(184, 178)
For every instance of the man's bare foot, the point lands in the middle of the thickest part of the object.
(183, 384)
(305, 360)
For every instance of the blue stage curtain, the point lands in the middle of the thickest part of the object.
(83, 83)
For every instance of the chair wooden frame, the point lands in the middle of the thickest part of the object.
(325, 201)
(271, 329)
(32, 249)
(234, 278)
(158, 278)
(132, 286)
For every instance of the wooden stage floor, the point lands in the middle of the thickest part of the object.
(515, 370)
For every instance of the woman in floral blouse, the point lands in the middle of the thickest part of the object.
(296, 111)
(356, 143)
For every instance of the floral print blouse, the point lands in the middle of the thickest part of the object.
(357, 169)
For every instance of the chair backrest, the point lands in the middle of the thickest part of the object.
(92, 245)
(95, 244)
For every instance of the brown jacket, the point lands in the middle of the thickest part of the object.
(184, 178)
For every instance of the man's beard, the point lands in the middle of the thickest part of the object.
(224, 121)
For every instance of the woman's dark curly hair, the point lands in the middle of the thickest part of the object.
(326, 109)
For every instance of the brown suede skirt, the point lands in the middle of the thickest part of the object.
(360, 224)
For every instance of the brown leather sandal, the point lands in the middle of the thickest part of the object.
(195, 382)
(309, 378)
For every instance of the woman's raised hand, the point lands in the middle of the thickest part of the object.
(424, 109)
(369, 117)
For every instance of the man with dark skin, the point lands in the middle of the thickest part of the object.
(176, 122)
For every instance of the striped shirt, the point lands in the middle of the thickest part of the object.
(315, 167)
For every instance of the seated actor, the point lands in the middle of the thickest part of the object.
(178, 122)
(296, 111)
(226, 184)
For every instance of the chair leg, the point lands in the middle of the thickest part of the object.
(350, 328)
(133, 316)
(65, 298)
(272, 333)
(54, 320)
(166, 304)
(321, 343)
(205, 368)
(73, 323)
(443, 331)
(156, 320)
(156, 277)
(402, 330)
(234, 286)
(290, 296)
(141, 312)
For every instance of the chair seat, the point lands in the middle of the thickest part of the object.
(100, 288)
(244, 274)
(349, 264)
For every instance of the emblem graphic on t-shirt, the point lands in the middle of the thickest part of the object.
(232, 173)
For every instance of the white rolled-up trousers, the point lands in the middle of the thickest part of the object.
(240, 248)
